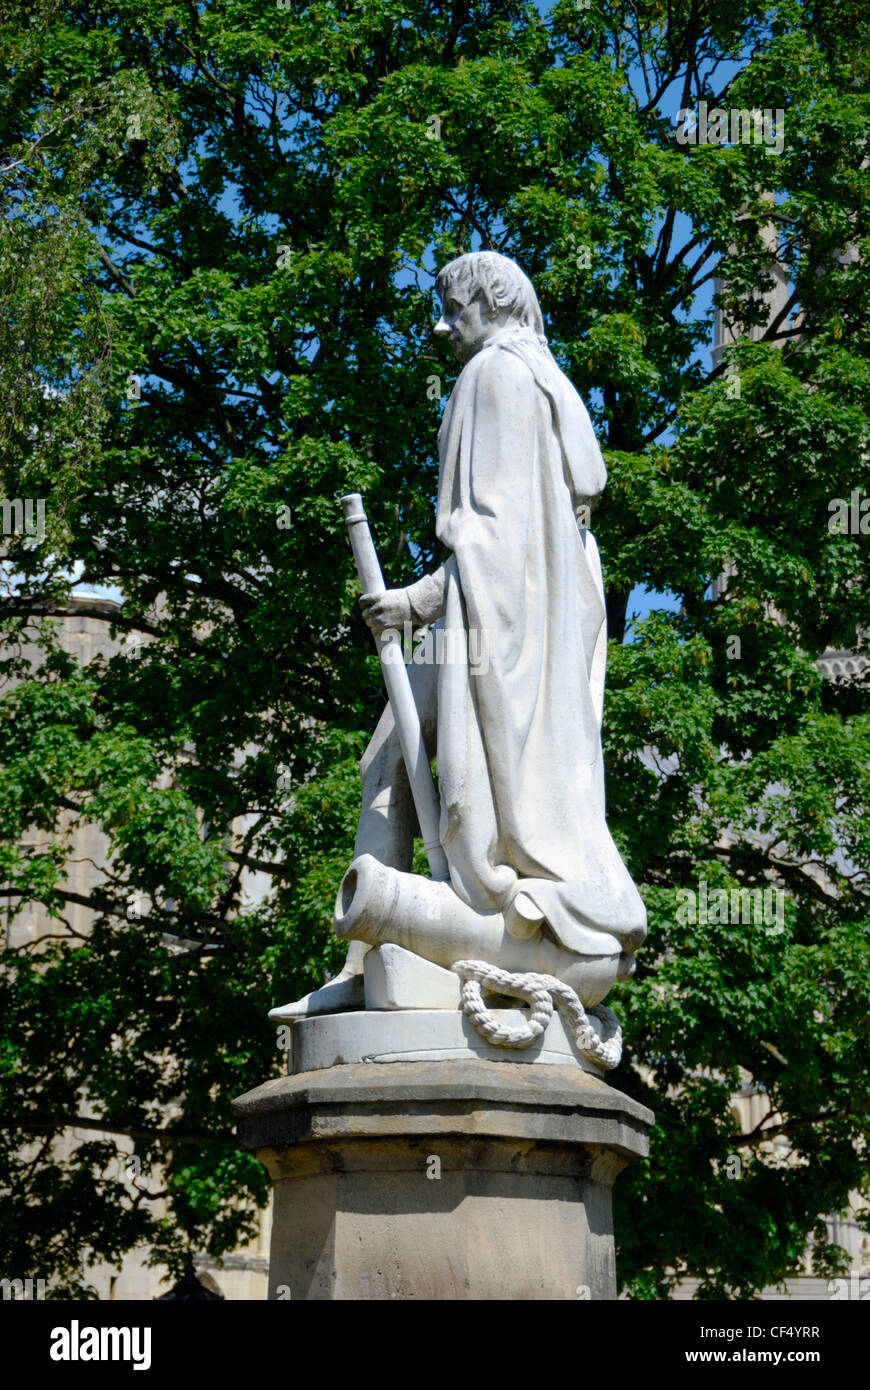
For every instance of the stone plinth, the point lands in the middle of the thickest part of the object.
(467, 1179)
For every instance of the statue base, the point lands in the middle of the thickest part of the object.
(423, 1035)
(476, 1179)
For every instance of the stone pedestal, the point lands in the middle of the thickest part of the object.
(436, 1179)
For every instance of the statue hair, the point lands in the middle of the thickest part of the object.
(498, 281)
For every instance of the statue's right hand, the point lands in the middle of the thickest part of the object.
(389, 609)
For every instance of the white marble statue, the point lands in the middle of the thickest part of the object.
(509, 682)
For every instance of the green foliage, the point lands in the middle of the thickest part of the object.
(220, 228)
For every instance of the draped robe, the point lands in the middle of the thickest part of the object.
(520, 766)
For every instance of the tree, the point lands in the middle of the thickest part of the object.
(222, 226)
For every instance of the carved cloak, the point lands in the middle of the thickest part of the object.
(520, 767)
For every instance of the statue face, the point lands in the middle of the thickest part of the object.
(467, 325)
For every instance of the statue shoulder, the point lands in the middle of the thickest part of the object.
(500, 373)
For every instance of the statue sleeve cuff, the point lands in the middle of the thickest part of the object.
(427, 598)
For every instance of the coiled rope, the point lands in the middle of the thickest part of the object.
(541, 992)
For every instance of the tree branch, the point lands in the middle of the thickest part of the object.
(41, 1124)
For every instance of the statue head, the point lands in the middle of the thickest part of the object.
(481, 293)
